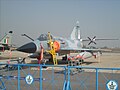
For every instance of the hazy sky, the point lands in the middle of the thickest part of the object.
(33, 17)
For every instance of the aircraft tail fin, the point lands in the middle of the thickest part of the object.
(6, 40)
(75, 35)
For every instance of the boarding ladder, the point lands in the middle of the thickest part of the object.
(52, 49)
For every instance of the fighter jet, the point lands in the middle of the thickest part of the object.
(5, 42)
(63, 46)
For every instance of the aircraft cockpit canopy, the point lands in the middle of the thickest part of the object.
(44, 37)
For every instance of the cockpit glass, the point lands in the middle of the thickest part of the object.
(44, 37)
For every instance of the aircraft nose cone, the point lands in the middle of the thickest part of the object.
(28, 48)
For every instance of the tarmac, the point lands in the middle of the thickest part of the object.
(106, 60)
(53, 78)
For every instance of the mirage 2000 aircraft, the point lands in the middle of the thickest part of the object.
(63, 46)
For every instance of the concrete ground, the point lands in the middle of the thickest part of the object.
(107, 60)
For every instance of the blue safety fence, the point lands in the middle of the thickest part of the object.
(37, 77)
(31, 77)
(7, 77)
(92, 78)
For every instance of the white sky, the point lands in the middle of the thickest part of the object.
(99, 18)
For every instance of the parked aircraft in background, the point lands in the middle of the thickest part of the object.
(63, 46)
(5, 42)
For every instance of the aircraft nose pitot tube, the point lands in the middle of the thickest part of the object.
(28, 48)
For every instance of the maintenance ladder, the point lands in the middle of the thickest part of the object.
(52, 50)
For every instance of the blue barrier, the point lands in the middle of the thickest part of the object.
(2, 86)
(86, 82)
(35, 77)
